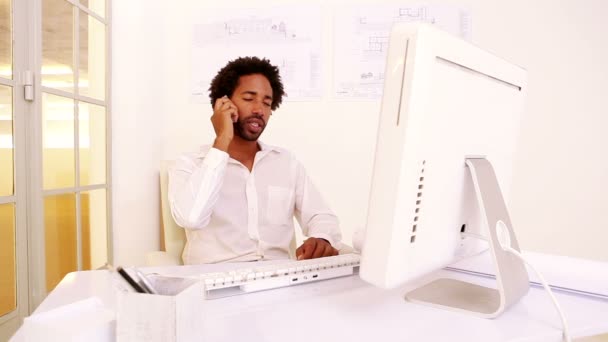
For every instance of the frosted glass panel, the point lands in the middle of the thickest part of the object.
(58, 142)
(6, 40)
(92, 67)
(6, 141)
(57, 45)
(60, 237)
(97, 6)
(92, 143)
(8, 285)
(94, 229)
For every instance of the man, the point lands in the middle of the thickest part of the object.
(237, 198)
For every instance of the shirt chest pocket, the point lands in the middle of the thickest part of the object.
(279, 206)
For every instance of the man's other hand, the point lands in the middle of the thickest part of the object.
(314, 248)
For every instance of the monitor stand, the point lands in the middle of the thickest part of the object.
(511, 275)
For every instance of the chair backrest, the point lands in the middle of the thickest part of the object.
(172, 236)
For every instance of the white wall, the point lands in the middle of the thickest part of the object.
(559, 194)
(560, 187)
(139, 80)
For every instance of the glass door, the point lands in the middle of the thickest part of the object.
(74, 119)
(13, 235)
(54, 148)
(70, 196)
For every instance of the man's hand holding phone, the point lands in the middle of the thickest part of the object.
(225, 114)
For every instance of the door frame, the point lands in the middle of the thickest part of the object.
(21, 110)
(36, 192)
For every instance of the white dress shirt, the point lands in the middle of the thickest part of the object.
(232, 214)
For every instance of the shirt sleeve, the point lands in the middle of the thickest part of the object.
(194, 187)
(314, 215)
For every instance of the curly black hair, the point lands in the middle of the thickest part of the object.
(227, 78)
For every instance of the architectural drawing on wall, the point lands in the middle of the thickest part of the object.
(361, 35)
(377, 43)
(290, 37)
(256, 26)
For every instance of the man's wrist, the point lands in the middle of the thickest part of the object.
(222, 143)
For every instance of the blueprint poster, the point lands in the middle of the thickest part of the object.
(361, 35)
(289, 36)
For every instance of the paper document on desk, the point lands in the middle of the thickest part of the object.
(86, 320)
(579, 276)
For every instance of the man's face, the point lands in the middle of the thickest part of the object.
(253, 98)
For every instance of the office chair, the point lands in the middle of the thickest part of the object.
(172, 236)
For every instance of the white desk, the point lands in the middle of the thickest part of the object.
(349, 309)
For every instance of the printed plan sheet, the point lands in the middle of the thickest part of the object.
(361, 35)
(290, 37)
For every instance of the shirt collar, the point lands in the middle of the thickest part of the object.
(269, 148)
(263, 147)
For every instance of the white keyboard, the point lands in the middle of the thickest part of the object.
(245, 280)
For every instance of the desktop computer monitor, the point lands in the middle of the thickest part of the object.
(447, 134)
